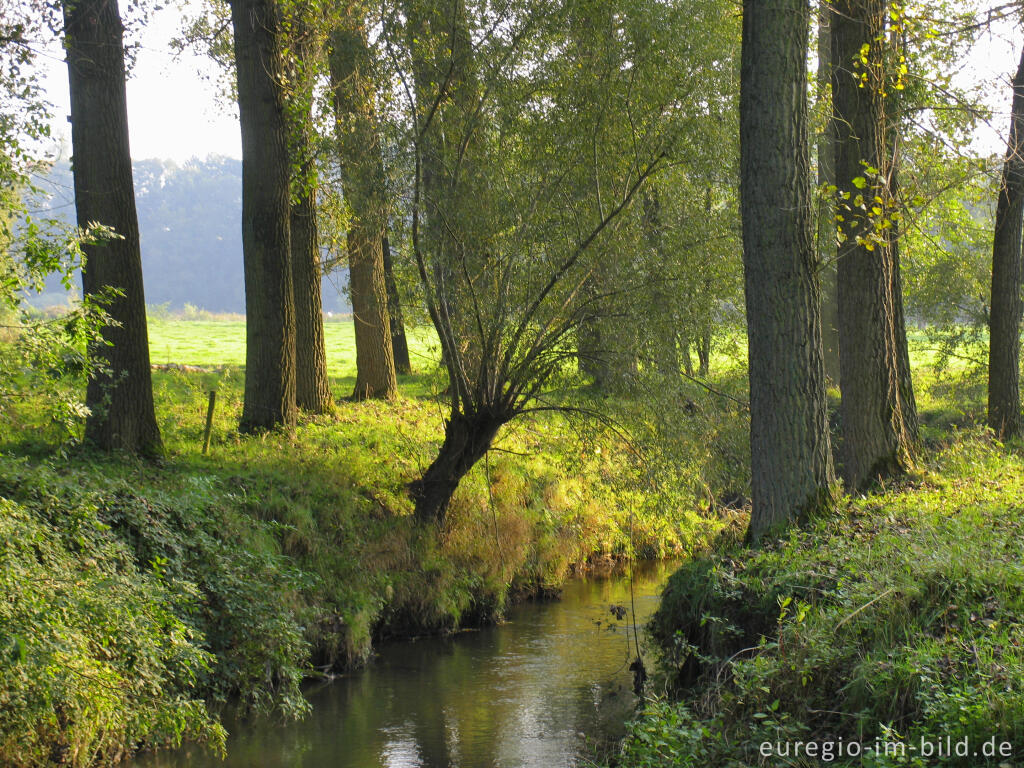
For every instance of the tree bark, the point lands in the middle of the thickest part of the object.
(879, 415)
(466, 439)
(791, 461)
(826, 202)
(399, 343)
(312, 387)
(270, 377)
(119, 398)
(1004, 416)
(363, 184)
(663, 331)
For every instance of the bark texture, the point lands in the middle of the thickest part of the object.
(663, 350)
(270, 379)
(791, 461)
(826, 202)
(879, 415)
(1004, 415)
(466, 440)
(120, 400)
(363, 183)
(312, 388)
(400, 345)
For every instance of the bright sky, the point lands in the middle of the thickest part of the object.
(173, 109)
(174, 113)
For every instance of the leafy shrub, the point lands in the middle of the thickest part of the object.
(95, 656)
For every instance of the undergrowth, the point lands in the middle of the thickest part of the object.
(887, 631)
(142, 598)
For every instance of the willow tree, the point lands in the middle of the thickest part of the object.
(364, 185)
(879, 415)
(542, 152)
(791, 459)
(120, 397)
(1004, 415)
(270, 377)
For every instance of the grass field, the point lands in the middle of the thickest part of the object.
(213, 343)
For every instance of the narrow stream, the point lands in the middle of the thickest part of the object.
(537, 691)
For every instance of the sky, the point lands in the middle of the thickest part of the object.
(173, 109)
(174, 112)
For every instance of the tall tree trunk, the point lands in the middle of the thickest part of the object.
(826, 202)
(1004, 415)
(270, 378)
(591, 356)
(312, 388)
(879, 416)
(791, 462)
(400, 345)
(704, 352)
(662, 340)
(120, 399)
(363, 183)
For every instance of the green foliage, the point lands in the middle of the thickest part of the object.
(274, 556)
(98, 654)
(900, 621)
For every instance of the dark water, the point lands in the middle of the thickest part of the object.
(537, 691)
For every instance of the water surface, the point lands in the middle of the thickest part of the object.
(541, 689)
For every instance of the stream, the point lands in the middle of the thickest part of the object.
(540, 690)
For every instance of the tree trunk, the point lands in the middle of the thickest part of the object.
(266, 243)
(1004, 415)
(120, 399)
(662, 341)
(399, 343)
(826, 202)
(879, 416)
(313, 390)
(466, 439)
(791, 461)
(591, 357)
(363, 184)
(704, 353)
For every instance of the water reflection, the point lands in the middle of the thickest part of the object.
(535, 691)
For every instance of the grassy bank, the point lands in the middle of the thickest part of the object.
(141, 597)
(894, 627)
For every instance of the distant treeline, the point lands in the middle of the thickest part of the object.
(189, 218)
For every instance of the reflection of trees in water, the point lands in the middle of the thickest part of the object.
(535, 691)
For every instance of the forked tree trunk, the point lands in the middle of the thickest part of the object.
(120, 400)
(466, 440)
(364, 187)
(399, 343)
(879, 415)
(1004, 325)
(791, 461)
(266, 243)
